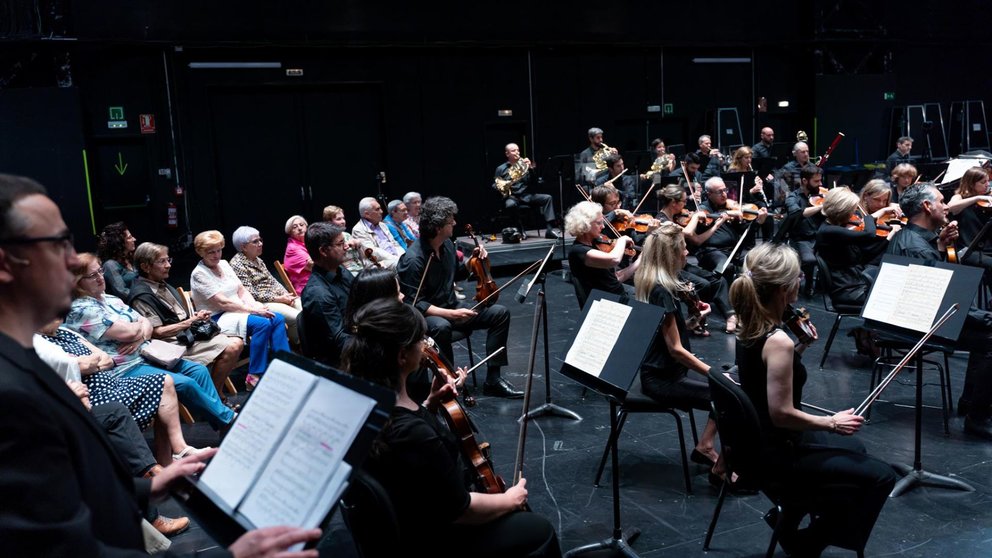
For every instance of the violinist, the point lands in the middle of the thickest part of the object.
(627, 184)
(609, 198)
(594, 266)
(710, 286)
(803, 451)
(805, 218)
(922, 204)
(718, 247)
(972, 205)
(876, 202)
(521, 174)
(848, 248)
(664, 372)
(417, 460)
(690, 167)
(430, 288)
(395, 222)
(326, 295)
(903, 175)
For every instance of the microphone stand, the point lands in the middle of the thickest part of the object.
(566, 274)
(548, 408)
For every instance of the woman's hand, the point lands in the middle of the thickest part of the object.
(286, 299)
(129, 348)
(846, 422)
(261, 311)
(81, 391)
(518, 494)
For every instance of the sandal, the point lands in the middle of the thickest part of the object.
(700, 331)
(251, 380)
(187, 451)
(732, 324)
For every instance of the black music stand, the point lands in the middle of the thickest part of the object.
(961, 290)
(561, 165)
(977, 244)
(613, 381)
(548, 408)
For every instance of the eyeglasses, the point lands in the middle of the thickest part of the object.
(719, 192)
(65, 239)
(161, 261)
(339, 244)
(92, 276)
(256, 241)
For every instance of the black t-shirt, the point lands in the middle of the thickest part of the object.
(970, 223)
(591, 277)
(420, 467)
(659, 362)
(754, 381)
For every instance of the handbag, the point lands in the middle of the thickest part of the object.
(162, 354)
(204, 330)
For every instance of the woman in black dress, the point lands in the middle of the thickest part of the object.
(809, 453)
(971, 206)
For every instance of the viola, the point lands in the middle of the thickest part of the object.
(682, 219)
(798, 322)
(485, 288)
(461, 426)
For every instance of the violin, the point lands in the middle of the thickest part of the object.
(461, 426)
(486, 288)
(607, 244)
(638, 223)
(372, 259)
(798, 322)
(682, 219)
(694, 306)
(817, 199)
(749, 211)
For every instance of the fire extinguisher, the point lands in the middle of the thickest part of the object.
(173, 222)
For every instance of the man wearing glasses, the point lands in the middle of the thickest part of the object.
(65, 491)
(718, 247)
(325, 297)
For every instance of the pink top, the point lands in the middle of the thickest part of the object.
(295, 262)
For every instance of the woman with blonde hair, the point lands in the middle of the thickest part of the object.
(664, 372)
(591, 267)
(811, 454)
(903, 176)
(216, 288)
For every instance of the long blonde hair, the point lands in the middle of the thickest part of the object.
(767, 269)
(661, 262)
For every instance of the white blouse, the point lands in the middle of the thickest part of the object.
(205, 284)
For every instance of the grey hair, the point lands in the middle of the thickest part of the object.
(911, 200)
(393, 205)
(579, 218)
(594, 131)
(712, 182)
(410, 196)
(147, 253)
(289, 222)
(242, 235)
(365, 204)
(704, 136)
(795, 148)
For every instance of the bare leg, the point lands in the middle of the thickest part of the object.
(707, 441)
(168, 417)
(163, 448)
(225, 362)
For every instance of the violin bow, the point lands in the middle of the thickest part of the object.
(518, 465)
(422, 277)
(583, 192)
(688, 184)
(508, 283)
(643, 199)
(741, 195)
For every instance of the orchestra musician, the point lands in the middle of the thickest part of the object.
(972, 205)
(592, 267)
(627, 184)
(903, 175)
(590, 165)
(427, 272)
(715, 250)
(787, 178)
(803, 232)
(664, 371)
(519, 172)
(417, 459)
(710, 159)
(609, 198)
(664, 162)
(690, 166)
(876, 201)
(755, 192)
(901, 155)
(763, 149)
(710, 286)
(806, 452)
(927, 237)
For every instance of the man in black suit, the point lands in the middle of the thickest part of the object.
(64, 490)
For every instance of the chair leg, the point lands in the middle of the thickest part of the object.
(685, 460)
(830, 339)
(185, 415)
(229, 387)
(775, 532)
(716, 516)
(692, 424)
(621, 419)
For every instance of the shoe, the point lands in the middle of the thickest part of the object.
(169, 526)
(152, 471)
(501, 388)
(251, 380)
(732, 325)
(701, 458)
(735, 487)
(552, 234)
(187, 451)
(981, 428)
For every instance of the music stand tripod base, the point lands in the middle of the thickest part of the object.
(619, 544)
(913, 477)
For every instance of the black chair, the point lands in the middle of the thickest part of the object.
(842, 310)
(741, 447)
(369, 514)
(637, 402)
(892, 351)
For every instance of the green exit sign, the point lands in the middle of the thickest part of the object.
(669, 108)
(889, 96)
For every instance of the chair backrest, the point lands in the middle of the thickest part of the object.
(786, 227)
(739, 428)
(580, 292)
(187, 301)
(369, 514)
(828, 283)
(284, 277)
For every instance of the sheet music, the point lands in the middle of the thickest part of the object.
(307, 457)
(907, 296)
(957, 167)
(597, 336)
(257, 430)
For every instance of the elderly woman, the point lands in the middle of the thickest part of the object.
(297, 260)
(251, 270)
(216, 288)
(355, 260)
(148, 397)
(114, 327)
(594, 268)
(413, 202)
(115, 246)
(165, 308)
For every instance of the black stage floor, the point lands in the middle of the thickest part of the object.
(562, 456)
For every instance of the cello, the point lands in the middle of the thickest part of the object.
(458, 421)
(485, 289)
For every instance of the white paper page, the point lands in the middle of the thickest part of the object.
(259, 427)
(956, 169)
(910, 299)
(307, 457)
(597, 336)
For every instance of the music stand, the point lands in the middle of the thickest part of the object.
(560, 163)
(961, 290)
(548, 408)
(612, 380)
(977, 243)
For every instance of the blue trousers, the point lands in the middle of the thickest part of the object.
(195, 389)
(266, 334)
